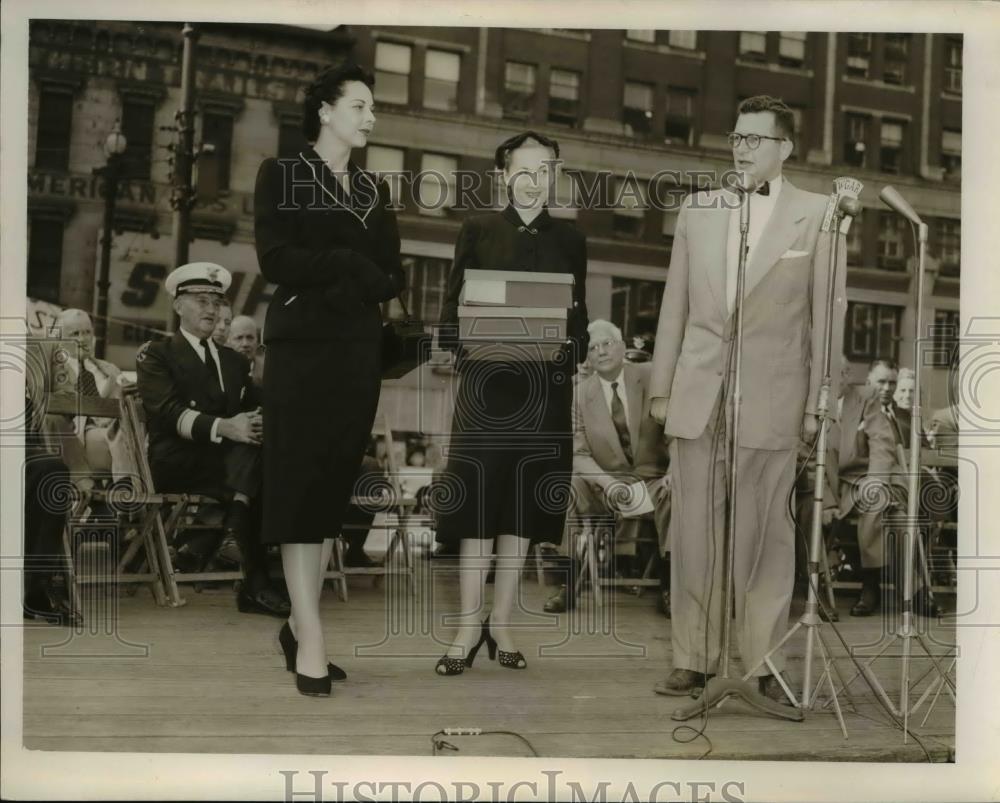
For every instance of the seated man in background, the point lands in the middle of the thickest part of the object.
(223, 323)
(72, 368)
(204, 436)
(615, 445)
(873, 479)
(46, 506)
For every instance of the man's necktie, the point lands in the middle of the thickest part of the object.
(213, 370)
(621, 424)
(86, 385)
(896, 432)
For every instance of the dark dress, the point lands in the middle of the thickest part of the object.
(334, 257)
(510, 457)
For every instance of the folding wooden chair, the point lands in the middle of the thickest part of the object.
(182, 507)
(142, 540)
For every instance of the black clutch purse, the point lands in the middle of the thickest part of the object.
(405, 344)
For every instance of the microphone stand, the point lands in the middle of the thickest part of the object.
(810, 618)
(722, 686)
(911, 531)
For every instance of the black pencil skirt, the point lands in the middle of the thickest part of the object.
(320, 399)
(510, 458)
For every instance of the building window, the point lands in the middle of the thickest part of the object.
(635, 306)
(638, 108)
(951, 154)
(647, 35)
(137, 126)
(564, 97)
(683, 40)
(947, 325)
(856, 139)
(217, 130)
(519, 89)
(392, 73)
(45, 247)
(949, 245)
(891, 148)
(565, 197)
(753, 45)
(441, 80)
(891, 241)
(437, 183)
(855, 240)
(55, 123)
(859, 54)
(895, 57)
(679, 127)
(953, 65)
(630, 207)
(872, 331)
(426, 284)
(291, 140)
(388, 163)
(792, 48)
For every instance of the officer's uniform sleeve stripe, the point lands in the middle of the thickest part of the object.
(185, 424)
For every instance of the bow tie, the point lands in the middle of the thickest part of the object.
(764, 189)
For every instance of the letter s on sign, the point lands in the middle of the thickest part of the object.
(143, 284)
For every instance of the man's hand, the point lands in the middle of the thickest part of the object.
(658, 410)
(810, 426)
(243, 428)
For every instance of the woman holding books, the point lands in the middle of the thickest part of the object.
(510, 454)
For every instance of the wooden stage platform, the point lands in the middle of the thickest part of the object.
(204, 678)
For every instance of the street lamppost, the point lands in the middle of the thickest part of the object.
(114, 147)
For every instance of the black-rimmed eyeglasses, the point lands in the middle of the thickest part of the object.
(752, 140)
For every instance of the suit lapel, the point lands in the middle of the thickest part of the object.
(715, 221)
(602, 416)
(779, 233)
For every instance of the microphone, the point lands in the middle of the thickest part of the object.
(746, 183)
(843, 202)
(891, 198)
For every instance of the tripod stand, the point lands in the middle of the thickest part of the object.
(843, 206)
(721, 687)
(906, 634)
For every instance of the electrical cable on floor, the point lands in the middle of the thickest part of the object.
(439, 743)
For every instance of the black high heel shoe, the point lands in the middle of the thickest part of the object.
(313, 687)
(447, 665)
(289, 646)
(509, 660)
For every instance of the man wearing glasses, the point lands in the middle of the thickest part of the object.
(619, 454)
(692, 385)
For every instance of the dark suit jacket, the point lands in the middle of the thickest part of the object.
(334, 256)
(173, 380)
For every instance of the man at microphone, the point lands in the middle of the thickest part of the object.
(693, 383)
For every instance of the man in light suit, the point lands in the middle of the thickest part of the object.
(692, 385)
(73, 369)
(615, 444)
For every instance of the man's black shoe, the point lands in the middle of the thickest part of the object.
(769, 686)
(266, 601)
(925, 605)
(560, 602)
(186, 561)
(45, 608)
(663, 602)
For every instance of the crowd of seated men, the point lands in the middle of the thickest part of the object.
(200, 391)
(867, 487)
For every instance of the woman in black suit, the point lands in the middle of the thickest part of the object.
(510, 455)
(326, 235)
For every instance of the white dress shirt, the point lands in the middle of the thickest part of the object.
(622, 393)
(196, 345)
(761, 207)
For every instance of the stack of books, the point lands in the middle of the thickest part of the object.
(514, 315)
